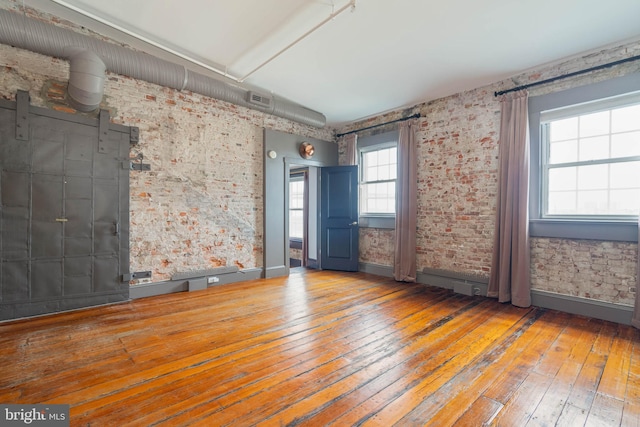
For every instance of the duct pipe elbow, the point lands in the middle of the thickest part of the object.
(86, 79)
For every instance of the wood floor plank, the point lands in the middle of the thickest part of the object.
(605, 411)
(524, 401)
(585, 386)
(320, 372)
(322, 348)
(287, 352)
(477, 342)
(507, 382)
(552, 404)
(480, 413)
(460, 388)
(494, 367)
(631, 410)
(359, 405)
(342, 395)
(616, 372)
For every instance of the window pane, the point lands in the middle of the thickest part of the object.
(383, 173)
(625, 119)
(371, 174)
(563, 152)
(379, 197)
(594, 148)
(296, 224)
(625, 202)
(562, 203)
(625, 144)
(593, 202)
(593, 177)
(561, 130)
(625, 175)
(296, 194)
(393, 163)
(594, 124)
(562, 179)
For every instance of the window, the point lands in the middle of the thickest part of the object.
(378, 169)
(378, 163)
(296, 207)
(585, 161)
(591, 160)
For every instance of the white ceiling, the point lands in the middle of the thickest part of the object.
(379, 56)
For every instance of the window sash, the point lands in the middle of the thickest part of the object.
(622, 230)
(547, 167)
(364, 183)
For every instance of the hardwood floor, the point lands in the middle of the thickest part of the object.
(323, 348)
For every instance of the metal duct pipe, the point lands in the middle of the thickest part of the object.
(86, 79)
(27, 33)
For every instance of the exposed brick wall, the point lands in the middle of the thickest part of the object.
(201, 206)
(604, 271)
(457, 183)
(376, 246)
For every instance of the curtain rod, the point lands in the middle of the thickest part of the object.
(415, 116)
(564, 76)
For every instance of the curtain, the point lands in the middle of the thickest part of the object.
(510, 265)
(352, 148)
(635, 320)
(404, 267)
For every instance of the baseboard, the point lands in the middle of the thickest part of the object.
(377, 269)
(158, 288)
(476, 285)
(583, 306)
(171, 286)
(276, 271)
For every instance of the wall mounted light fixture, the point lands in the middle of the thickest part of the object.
(306, 150)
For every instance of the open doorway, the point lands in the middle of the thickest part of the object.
(302, 198)
(298, 216)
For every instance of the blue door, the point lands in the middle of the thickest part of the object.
(339, 218)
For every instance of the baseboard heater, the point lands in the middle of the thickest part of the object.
(472, 284)
(461, 283)
(195, 280)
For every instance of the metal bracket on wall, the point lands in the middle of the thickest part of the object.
(136, 275)
(134, 135)
(22, 115)
(103, 130)
(139, 166)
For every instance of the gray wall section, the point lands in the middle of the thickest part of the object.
(276, 175)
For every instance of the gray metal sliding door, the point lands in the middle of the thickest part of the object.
(64, 205)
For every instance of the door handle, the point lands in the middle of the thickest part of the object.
(117, 228)
(354, 223)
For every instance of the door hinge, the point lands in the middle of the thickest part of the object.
(134, 135)
(22, 115)
(103, 130)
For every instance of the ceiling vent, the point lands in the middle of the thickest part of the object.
(258, 99)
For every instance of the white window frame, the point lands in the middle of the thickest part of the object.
(609, 228)
(296, 178)
(365, 145)
(574, 111)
